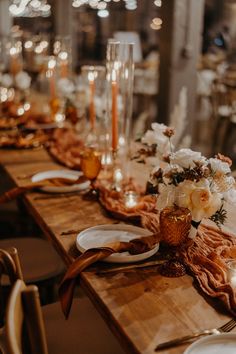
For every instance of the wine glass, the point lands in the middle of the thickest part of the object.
(91, 166)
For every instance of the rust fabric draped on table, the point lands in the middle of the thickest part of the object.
(205, 257)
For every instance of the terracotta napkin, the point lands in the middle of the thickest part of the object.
(52, 182)
(67, 286)
(206, 257)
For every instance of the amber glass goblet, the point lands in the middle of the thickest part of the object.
(91, 166)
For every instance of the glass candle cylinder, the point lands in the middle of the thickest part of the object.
(14, 53)
(62, 51)
(120, 75)
(231, 272)
(93, 78)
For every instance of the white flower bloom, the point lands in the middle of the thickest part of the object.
(166, 196)
(149, 138)
(219, 166)
(186, 158)
(6, 80)
(156, 137)
(159, 128)
(163, 145)
(198, 198)
(230, 196)
(23, 80)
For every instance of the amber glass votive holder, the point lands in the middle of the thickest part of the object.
(91, 166)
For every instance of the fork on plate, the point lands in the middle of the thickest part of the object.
(227, 327)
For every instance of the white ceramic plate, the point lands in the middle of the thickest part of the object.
(214, 344)
(101, 235)
(72, 175)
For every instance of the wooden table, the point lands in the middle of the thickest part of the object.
(141, 307)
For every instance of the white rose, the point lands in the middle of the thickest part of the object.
(7, 80)
(199, 199)
(186, 158)
(23, 80)
(166, 196)
(219, 166)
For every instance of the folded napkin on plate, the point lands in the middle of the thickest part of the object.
(52, 182)
(206, 258)
(17, 191)
(135, 246)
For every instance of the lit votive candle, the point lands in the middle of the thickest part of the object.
(131, 199)
(231, 272)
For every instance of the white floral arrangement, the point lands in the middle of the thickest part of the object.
(194, 182)
(191, 180)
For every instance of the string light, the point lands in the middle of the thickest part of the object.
(30, 8)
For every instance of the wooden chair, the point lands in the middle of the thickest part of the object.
(41, 265)
(31, 328)
(222, 106)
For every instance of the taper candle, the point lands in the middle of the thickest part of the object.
(63, 64)
(92, 113)
(114, 89)
(51, 76)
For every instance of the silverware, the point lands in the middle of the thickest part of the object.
(227, 327)
(130, 267)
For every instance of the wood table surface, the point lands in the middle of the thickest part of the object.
(141, 307)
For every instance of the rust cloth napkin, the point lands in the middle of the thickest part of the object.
(206, 258)
(67, 286)
(51, 182)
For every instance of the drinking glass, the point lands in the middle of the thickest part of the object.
(91, 166)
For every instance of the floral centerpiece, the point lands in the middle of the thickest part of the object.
(189, 179)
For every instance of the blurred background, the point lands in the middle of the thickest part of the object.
(184, 53)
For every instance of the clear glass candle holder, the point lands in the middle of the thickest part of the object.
(93, 83)
(119, 97)
(131, 199)
(231, 272)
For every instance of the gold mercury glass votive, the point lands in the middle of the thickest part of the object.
(175, 224)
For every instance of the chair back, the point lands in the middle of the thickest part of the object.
(10, 264)
(25, 331)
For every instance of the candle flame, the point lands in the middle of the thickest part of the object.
(63, 55)
(91, 76)
(51, 64)
(113, 76)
